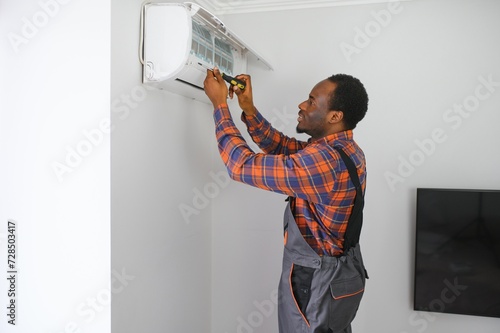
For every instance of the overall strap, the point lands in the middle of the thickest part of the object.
(353, 231)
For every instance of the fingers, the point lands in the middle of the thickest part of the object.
(218, 75)
(214, 79)
(215, 87)
(214, 74)
(210, 76)
(248, 85)
(231, 92)
(236, 90)
(245, 78)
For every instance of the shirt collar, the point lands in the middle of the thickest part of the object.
(339, 136)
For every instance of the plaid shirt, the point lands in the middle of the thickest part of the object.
(312, 173)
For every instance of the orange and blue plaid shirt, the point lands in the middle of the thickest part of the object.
(311, 173)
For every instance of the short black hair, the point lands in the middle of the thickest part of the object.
(350, 97)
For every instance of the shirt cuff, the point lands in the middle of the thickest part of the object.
(221, 112)
(253, 122)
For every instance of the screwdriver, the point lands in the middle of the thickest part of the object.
(231, 80)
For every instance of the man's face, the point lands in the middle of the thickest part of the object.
(313, 112)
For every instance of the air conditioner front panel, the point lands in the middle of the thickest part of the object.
(167, 36)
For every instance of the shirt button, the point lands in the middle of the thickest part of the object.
(316, 262)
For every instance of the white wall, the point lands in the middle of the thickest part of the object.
(54, 164)
(162, 151)
(427, 57)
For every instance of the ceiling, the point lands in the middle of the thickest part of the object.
(246, 6)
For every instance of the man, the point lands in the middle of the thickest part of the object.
(323, 275)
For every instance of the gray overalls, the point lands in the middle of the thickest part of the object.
(334, 286)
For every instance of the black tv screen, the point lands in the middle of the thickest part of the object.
(457, 256)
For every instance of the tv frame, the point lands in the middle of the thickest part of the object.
(451, 288)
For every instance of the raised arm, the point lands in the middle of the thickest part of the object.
(308, 174)
(269, 139)
(313, 173)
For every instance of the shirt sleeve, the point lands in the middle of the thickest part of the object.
(269, 139)
(307, 174)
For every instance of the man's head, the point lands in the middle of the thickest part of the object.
(335, 104)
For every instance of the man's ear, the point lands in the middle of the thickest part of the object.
(335, 116)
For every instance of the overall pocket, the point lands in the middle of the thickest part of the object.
(346, 295)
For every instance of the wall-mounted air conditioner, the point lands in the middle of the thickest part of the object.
(179, 39)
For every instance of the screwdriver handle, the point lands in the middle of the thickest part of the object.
(234, 81)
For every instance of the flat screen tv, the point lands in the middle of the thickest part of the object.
(457, 256)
